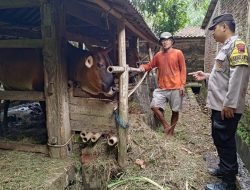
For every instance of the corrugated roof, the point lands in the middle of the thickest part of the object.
(190, 32)
(96, 22)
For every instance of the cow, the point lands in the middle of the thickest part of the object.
(22, 69)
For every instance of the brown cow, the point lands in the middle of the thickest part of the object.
(22, 69)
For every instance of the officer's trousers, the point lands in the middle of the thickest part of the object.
(223, 133)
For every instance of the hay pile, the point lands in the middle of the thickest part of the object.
(25, 171)
(175, 162)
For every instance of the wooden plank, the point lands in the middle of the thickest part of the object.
(22, 95)
(22, 43)
(95, 101)
(93, 119)
(13, 145)
(55, 77)
(11, 31)
(5, 4)
(92, 110)
(91, 127)
(103, 104)
(123, 96)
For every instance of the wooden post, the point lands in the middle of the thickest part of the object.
(155, 71)
(57, 111)
(123, 95)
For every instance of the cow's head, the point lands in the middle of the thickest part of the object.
(93, 76)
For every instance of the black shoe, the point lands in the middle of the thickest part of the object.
(220, 186)
(215, 172)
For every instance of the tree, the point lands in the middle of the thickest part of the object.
(196, 17)
(171, 15)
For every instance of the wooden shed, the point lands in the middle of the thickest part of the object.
(48, 24)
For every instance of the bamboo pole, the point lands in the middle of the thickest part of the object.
(123, 95)
(112, 141)
(95, 137)
(87, 137)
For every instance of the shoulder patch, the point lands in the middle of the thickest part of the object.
(241, 47)
(239, 55)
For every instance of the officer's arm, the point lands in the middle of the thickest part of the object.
(239, 76)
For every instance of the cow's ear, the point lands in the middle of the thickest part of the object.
(89, 61)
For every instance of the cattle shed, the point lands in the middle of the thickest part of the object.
(48, 25)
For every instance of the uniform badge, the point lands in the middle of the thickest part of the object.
(241, 48)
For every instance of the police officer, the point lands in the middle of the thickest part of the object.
(227, 85)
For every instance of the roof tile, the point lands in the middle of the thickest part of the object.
(190, 32)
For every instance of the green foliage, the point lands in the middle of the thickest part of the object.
(244, 133)
(172, 15)
(196, 12)
(243, 129)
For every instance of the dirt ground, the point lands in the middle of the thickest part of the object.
(175, 162)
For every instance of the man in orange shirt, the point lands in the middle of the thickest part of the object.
(171, 81)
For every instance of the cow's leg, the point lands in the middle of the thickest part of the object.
(5, 113)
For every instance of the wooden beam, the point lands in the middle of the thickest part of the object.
(19, 32)
(55, 78)
(5, 4)
(78, 125)
(123, 96)
(116, 14)
(22, 95)
(21, 43)
(14, 145)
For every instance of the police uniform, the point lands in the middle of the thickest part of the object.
(227, 85)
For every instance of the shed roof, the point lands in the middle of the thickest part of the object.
(94, 19)
(190, 32)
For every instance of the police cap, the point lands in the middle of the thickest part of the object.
(221, 18)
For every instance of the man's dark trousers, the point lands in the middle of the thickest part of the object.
(223, 133)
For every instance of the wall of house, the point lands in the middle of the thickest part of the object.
(239, 9)
(193, 50)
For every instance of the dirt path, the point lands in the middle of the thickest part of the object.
(176, 162)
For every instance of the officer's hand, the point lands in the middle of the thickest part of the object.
(198, 75)
(227, 112)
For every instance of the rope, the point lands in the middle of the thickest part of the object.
(138, 84)
(61, 145)
(119, 120)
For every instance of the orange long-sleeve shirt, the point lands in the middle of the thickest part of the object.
(171, 69)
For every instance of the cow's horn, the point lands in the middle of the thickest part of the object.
(89, 61)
